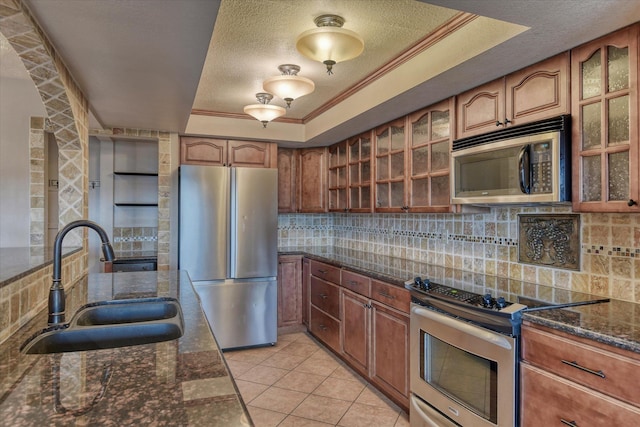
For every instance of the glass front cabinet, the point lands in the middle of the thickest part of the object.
(390, 143)
(360, 195)
(430, 139)
(338, 177)
(605, 124)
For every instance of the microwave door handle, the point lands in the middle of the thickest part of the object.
(524, 165)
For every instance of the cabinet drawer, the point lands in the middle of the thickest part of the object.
(547, 400)
(326, 328)
(325, 271)
(356, 282)
(563, 356)
(325, 296)
(390, 295)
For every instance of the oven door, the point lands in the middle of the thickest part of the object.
(465, 372)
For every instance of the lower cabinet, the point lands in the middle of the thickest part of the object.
(289, 290)
(567, 380)
(356, 321)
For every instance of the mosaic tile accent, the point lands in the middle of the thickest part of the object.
(135, 239)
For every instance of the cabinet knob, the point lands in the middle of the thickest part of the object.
(505, 123)
(631, 202)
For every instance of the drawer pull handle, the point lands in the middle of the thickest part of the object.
(569, 423)
(582, 368)
(323, 296)
(386, 295)
(354, 283)
(322, 271)
(322, 327)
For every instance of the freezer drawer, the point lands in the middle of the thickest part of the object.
(241, 313)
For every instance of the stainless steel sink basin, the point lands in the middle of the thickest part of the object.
(111, 324)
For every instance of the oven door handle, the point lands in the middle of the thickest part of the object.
(480, 333)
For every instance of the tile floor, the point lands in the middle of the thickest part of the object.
(299, 383)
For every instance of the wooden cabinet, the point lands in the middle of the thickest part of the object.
(430, 137)
(534, 93)
(390, 143)
(567, 379)
(338, 177)
(306, 290)
(289, 290)
(390, 350)
(324, 308)
(287, 179)
(312, 180)
(605, 124)
(220, 152)
(360, 194)
(356, 322)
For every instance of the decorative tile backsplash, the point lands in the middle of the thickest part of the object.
(609, 247)
(135, 239)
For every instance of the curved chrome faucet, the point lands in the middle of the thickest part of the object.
(56, 293)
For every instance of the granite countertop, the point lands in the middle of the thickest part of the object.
(19, 262)
(615, 323)
(183, 382)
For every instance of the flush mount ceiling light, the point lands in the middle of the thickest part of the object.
(263, 111)
(289, 85)
(329, 43)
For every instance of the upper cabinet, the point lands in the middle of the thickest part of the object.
(287, 179)
(390, 143)
(338, 177)
(533, 93)
(360, 196)
(312, 180)
(605, 123)
(430, 138)
(220, 152)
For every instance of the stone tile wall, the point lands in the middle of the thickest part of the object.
(483, 242)
(135, 239)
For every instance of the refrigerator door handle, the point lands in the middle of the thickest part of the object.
(232, 207)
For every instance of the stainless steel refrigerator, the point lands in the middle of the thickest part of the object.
(228, 245)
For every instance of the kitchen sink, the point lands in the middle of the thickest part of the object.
(112, 324)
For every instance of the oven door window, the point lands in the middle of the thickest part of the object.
(464, 377)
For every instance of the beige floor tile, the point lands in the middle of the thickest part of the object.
(263, 375)
(371, 396)
(290, 337)
(300, 381)
(254, 356)
(319, 366)
(360, 415)
(249, 390)
(403, 420)
(340, 389)
(300, 349)
(293, 421)
(279, 400)
(346, 373)
(265, 418)
(320, 408)
(323, 353)
(283, 360)
(304, 338)
(238, 367)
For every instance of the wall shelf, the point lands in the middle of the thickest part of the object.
(126, 204)
(136, 173)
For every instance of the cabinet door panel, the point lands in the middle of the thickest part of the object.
(355, 329)
(251, 154)
(539, 91)
(287, 170)
(390, 349)
(203, 151)
(549, 400)
(289, 291)
(479, 109)
(312, 180)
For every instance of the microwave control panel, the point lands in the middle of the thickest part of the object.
(541, 175)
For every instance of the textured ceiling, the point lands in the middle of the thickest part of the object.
(140, 61)
(252, 37)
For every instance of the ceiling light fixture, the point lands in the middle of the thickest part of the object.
(289, 85)
(263, 111)
(329, 43)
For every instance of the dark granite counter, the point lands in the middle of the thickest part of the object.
(16, 263)
(616, 323)
(183, 382)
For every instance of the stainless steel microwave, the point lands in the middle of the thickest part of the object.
(524, 164)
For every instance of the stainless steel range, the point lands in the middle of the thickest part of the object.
(465, 349)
